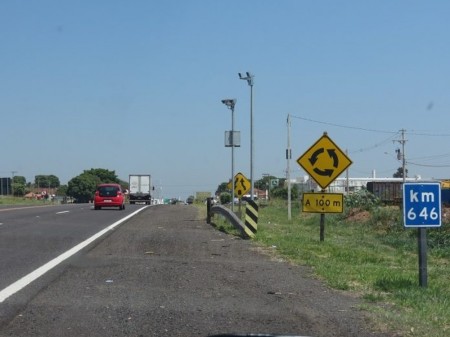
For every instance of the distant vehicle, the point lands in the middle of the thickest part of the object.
(140, 188)
(109, 195)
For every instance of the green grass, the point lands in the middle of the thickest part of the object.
(223, 225)
(376, 259)
(6, 200)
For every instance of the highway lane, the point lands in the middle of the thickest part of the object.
(32, 236)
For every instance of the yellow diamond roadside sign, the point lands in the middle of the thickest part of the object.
(241, 185)
(324, 161)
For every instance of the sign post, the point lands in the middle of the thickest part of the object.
(324, 161)
(422, 209)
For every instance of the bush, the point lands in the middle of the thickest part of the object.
(362, 199)
(225, 198)
(439, 240)
(386, 219)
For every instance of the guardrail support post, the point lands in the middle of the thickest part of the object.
(208, 211)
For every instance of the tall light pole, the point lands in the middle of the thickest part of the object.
(230, 103)
(249, 79)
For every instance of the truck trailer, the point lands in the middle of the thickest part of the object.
(140, 188)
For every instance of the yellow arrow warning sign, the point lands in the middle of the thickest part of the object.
(241, 185)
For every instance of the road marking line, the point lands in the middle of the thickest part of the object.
(24, 207)
(62, 212)
(27, 279)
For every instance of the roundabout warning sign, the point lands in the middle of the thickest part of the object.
(324, 161)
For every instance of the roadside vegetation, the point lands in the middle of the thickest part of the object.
(15, 201)
(368, 252)
(80, 188)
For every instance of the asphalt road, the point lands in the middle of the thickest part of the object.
(32, 236)
(164, 272)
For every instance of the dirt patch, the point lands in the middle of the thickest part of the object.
(446, 214)
(358, 215)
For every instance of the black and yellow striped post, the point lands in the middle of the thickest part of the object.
(251, 218)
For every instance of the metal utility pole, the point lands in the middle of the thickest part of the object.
(403, 141)
(347, 179)
(249, 79)
(401, 153)
(288, 159)
(230, 103)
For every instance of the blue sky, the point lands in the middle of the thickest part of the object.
(136, 86)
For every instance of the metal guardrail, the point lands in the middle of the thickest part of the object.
(230, 216)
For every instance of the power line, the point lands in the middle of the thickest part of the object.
(416, 133)
(438, 156)
(344, 126)
(411, 132)
(427, 165)
(391, 138)
(387, 140)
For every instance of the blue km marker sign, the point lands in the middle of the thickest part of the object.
(422, 204)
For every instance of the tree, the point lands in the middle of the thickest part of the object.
(263, 184)
(18, 186)
(19, 180)
(46, 181)
(104, 175)
(54, 181)
(82, 187)
(222, 188)
(282, 192)
(19, 189)
(62, 190)
(399, 173)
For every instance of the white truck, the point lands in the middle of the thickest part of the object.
(140, 188)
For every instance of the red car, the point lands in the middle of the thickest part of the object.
(109, 195)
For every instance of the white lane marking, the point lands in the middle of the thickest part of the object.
(27, 279)
(24, 207)
(62, 212)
